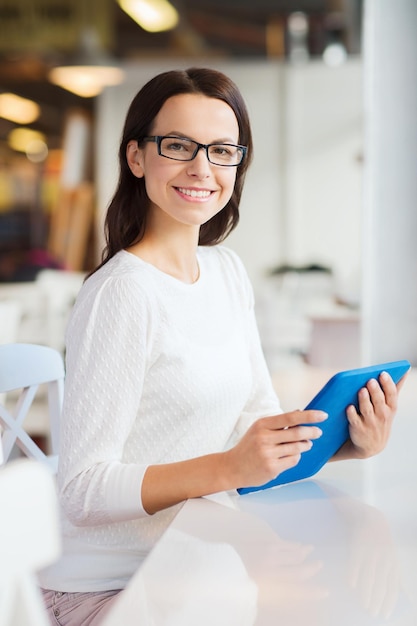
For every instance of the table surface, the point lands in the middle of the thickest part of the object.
(340, 548)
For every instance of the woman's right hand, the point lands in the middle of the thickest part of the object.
(272, 445)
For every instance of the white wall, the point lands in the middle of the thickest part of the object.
(302, 199)
(390, 181)
(323, 149)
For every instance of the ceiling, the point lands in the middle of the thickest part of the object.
(233, 29)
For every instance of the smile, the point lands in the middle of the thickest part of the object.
(194, 193)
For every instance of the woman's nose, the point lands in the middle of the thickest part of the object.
(200, 166)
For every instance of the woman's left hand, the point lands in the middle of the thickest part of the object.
(370, 427)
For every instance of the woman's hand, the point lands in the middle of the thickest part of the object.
(370, 427)
(272, 445)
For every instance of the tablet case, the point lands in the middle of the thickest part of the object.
(334, 398)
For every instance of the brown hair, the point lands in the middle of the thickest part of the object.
(126, 215)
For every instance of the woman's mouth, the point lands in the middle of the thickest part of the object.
(194, 193)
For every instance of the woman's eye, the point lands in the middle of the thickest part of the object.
(223, 151)
(176, 147)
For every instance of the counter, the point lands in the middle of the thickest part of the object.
(338, 549)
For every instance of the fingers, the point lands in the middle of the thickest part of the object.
(370, 423)
(401, 382)
(294, 418)
(390, 390)
(274, 444)
(372, 399)
(292, 428)
(354, 417)
(376, 396)
(295, 433)
(292, 449)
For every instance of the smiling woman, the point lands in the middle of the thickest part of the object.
(168, 396)
(186, 186)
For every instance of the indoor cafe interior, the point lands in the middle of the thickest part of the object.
(327, 232)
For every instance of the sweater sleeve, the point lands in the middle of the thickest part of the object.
(108, 343)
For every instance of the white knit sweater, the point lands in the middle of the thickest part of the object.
(157, 371)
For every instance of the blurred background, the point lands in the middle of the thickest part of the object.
(316, 82)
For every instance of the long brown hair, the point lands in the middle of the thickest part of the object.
(126, 215)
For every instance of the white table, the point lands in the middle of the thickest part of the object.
(339, 549)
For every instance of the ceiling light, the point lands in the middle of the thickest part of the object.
(17, 109)
(90, 73)
(24, 139)
(152, 15)
(86, 81)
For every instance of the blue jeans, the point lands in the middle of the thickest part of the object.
(78, 609)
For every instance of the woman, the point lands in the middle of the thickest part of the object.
(167, 392)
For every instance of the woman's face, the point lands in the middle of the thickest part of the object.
(187, 192)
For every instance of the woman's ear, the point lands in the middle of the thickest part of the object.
(134, 158)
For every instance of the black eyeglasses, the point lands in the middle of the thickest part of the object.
(183, 149)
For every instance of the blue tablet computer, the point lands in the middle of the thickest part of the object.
(334, 398)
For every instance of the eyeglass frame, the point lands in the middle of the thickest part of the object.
(158, 140)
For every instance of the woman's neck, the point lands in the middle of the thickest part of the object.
(176, 256)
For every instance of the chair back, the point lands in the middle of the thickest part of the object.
(59, 289)
(10, 318)
(24, 367)
(29, 539)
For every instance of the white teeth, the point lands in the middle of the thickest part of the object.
(194, 193)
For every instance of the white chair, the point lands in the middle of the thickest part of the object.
(31, 304)
(10, 318)
(24, 367)
(29, 540)
(37, 311)
(59, 289)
